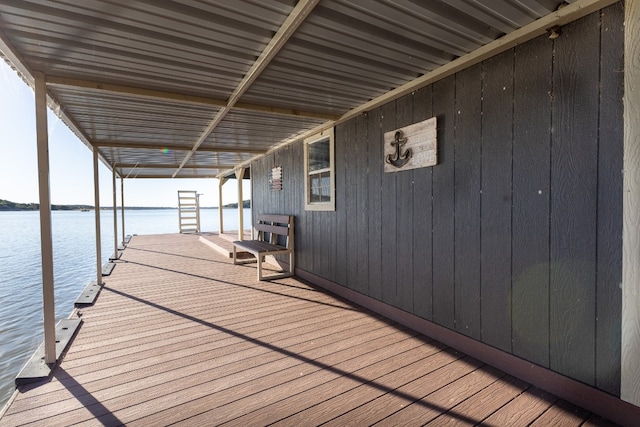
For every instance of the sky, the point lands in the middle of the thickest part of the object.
(71, 162)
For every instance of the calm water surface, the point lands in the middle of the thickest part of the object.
(74, 267)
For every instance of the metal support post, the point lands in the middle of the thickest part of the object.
(46, 241)
(122, 206)
(239, 177)
(96, 196)
(115, 214)
(221, 182)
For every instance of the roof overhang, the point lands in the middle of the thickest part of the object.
(197, 90)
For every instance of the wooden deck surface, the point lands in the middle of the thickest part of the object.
(179, 335)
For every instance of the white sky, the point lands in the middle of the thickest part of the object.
(71, 162)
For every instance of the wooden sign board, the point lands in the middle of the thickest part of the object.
(411, 147)
(275, 178)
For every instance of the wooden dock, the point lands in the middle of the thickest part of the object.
(179, 335)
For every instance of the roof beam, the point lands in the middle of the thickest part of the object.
(288, 28)
(179, 97)
(175, 147)
(171, 166)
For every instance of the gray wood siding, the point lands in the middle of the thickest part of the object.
(515, 237)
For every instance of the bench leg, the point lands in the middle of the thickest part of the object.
(292, 267)
(260, 259)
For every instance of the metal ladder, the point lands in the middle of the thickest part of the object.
(189, 211)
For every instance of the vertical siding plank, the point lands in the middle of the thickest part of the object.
(351, 202)
(375, 149)
(422, 220)
(362, 204)
(296, 182)
(497, 136)
(467, 201)
(340, 243)
(404, 218)
(388, 214)
(444, 204)
(610, 164)
(574, 200)
(531, 181)
(289, 191)
(303, 243)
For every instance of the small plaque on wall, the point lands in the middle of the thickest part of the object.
(411, 147)
(275, 178)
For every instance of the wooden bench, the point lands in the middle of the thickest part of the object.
(272, 230)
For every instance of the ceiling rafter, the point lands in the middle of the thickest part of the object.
(179, 97)
(176, 147)
(288, 28)
(156, 176)
(172, 166)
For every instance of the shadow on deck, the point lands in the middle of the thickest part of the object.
(181, 335)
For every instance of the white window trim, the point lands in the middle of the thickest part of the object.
(320, 206)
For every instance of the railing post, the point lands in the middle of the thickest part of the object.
(46, 241)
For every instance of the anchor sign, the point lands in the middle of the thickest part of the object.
(399, 159)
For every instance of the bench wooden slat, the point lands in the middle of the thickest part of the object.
(279, 219)
(275, 229)
(257, 245)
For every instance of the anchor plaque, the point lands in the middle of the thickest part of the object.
(411, 147)
(399, 159)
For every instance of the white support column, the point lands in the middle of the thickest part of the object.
(630, 378)
(221, 182)
(198, 229)
(46, 241)
(239, 177)
(115, 214)
(251, 202)
(122, 205)
(96, 196)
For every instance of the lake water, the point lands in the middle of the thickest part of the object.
(74, 267)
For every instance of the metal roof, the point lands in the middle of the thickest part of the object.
(195, 88)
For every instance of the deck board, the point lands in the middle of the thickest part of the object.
(181, 335)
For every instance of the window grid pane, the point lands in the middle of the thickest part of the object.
(320, 187)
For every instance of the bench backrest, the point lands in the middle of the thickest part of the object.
(270, 227)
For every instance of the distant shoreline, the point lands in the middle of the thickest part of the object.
(6, 205)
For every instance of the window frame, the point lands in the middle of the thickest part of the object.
(325, 205)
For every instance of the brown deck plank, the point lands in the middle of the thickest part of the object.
(444, 399)
(523, 410)
(180, 334)
(387, 403)
(340, 388)
(320, 408)
(263, 392)
(482, 404)
(562, 414)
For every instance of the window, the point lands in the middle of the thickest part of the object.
(319, 172)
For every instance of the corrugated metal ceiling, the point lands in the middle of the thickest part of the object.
(194, 88)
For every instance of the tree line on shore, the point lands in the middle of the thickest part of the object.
(6, 205)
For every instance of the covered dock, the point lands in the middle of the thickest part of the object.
(179, 335)
(469, 169)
